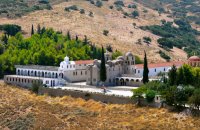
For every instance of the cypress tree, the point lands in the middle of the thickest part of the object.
(32, 30)
(103, 67)
(146, 70)
(38, 29)
(172, 76)
(76, 38)
(68, 35)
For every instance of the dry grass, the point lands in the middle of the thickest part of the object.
(20, 109)
(104, 18)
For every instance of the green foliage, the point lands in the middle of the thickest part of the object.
(185, 75)
(18, 8)
(194, 100)
(116, 54)
(119, 3)
(82, 11)
(103, 76)
(135, 14)
(10, 29)
(150, 95)
(105, 32)
(49, 48)
(146, 70)
(184, 36)
(147, 40)
(165, 56)
(172, 74)
(99, 3)
(164, 42)
(35, 87)
(72, 7)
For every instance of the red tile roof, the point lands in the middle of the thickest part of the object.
(84, 62)
(157, 65)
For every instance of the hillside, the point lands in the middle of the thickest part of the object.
(122, 34)
(20, 109)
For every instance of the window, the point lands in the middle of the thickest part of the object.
(74, 73)
(164, 69)
(155, 70)
(81, 73)
(138, 71)
(85, 72)
(67, 66)
(70, 66)
(94, 80)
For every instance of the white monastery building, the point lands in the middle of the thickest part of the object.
(120, 72)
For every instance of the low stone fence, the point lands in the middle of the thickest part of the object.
(86, 95)
(113, 99)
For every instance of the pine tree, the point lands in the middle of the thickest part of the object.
(38, 29)
(172, 76)
(32, 30)
(146, 70)
(103, 67)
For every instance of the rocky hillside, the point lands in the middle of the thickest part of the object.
(20, 109)
(108, 23)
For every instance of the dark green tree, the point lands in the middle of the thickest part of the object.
(194, 100)
(32, 30)
(85, 41)
(103, 67)
(146, 70)
(38, 29)
(68, 35)
(172, 75)
(76, 38)
(43, 30)
(10, 29)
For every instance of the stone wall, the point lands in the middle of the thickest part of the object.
(85, 95)
(95, 96)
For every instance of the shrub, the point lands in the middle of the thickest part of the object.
(99, 3)
(105, 32)
(163, 55)
(111, 7)
(147, 39)
(119, 3)
(35, 87)
(73, 7)
(44, 1)
(150, 95)
(82, 11)
(135, 14)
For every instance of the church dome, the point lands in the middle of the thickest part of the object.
(120, 58)
(129, 54)
(194, 58)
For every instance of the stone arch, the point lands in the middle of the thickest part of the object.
(49, 75)
(122, 82)
(18, 72)
(21, 72)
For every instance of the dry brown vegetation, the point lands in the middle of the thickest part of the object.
(21, 109)
(122, 34)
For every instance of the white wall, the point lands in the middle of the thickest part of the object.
(152, 71)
